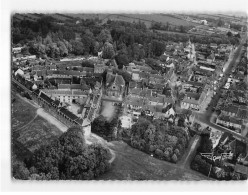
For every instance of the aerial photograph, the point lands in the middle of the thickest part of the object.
(129, 96)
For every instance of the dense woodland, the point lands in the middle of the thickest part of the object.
(66, 158)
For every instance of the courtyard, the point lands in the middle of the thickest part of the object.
(108, 110)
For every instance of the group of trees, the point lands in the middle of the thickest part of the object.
(46, 38)
(159, 138)
(121, 40)
(104, 128)
(67, 158)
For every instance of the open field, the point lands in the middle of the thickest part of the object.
(61, 17)
(187, 34)
(149, 18)
(132, 164)
(146, 18)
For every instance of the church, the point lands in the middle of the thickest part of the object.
(115, 86)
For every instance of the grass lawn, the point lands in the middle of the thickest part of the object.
(132, 164)
(22, 113)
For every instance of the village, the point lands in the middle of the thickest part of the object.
(184, 102)
(75, 94)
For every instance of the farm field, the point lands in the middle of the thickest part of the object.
(29, 131)
(146, 18)
(61, 17)
(163, 18)
(22, 113)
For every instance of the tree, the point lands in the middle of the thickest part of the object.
(69, 158)
(77, 47)
(167, 155)
(220, 22)
(25, 51)
(62, 49)
(159, 153)
(19, 170)
(237, 35)
(88, 43)
(229, 34)
(121, 59)
(157, 48)
(108, 51)
(104, 36)
(149, 134)
(101, 126)
(174, 158)
(206, 145)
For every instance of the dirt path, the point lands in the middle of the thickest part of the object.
(106, 144)
(184, 163)
(27, 123)
(52, 120)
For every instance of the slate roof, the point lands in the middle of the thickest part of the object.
(79, 121)
(135, 102)
(230, 119)
(167, 108)
(196, 96)
(135, 91)
(144, 75)
(146, 93)
(157, 99)
(37, 92)
(195, 83)
(56, 102)
(68, 114)
(46, 98)
(115, 78)
(230, 108)
(64, 86)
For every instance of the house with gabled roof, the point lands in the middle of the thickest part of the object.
(228, 121)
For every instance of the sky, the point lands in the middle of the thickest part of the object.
(127, 5)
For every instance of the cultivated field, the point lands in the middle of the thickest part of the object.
(29, 131)
(146, 18)
(22, 113)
